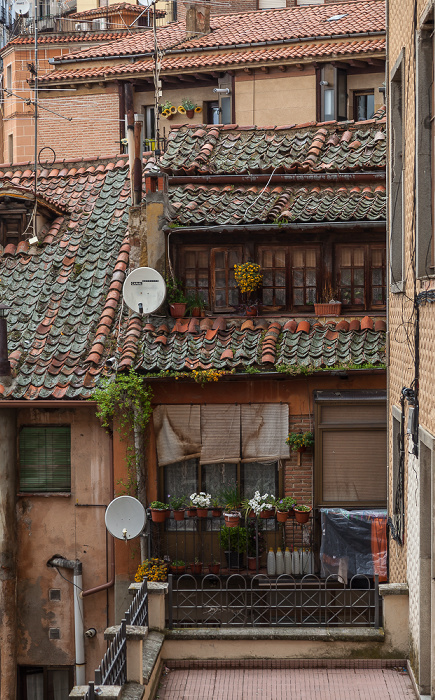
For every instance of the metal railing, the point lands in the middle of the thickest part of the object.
(113, 667)
(195, 539)
(282, 601)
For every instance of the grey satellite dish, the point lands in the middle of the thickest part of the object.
(21, 7)
(144, 290)
(125, 517)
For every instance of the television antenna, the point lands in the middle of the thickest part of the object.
(144, 290)
(125, 518)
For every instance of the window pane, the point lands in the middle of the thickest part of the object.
(280, 258)
(45, 458)
(358, 276)
(203, 258)
(377, 294)
(220, 280)
(358, 257)
(298, 297)
(268, 297)
(346, 257)
(311, 278)
(280, 297)
(60, 681)
(370, 106)
(35, 686)
(259, 476)
(377, 257)
(190, 258)
(298, 278)
(346, 277)
(218, 477)
(298, 258)
(311, 295)
(267, 258)
(329, 105)
(234, 256)
(267, 278)
(377, 276)
(359, 296)
(310, 258)
(280, 278)
(219, 260)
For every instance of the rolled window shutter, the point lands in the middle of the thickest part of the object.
(45, 458)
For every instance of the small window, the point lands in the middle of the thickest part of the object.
(11, 148)
(212, 112)
(351, 275)
(45, 459)
(150, 128)
(363, 105)
(9, 77)
(195, 263)
(37, 682)
(273, 263)
(333, 93)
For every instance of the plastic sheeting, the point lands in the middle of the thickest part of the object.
(354, 542)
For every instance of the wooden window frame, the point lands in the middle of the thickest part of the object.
(226, 250)
(289, 251)
(352, 399)
(196, 249)
(47, 681)
(368, 303)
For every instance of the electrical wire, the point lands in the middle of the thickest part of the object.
(67, 579)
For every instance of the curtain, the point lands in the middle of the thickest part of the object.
(264, 431)
(177, 430)
(220, 432)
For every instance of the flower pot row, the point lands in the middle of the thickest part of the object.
(232, 518)
(195, 568)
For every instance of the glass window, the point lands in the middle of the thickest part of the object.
(333, 93)
(364, 105)
(45, 458)
(225, 291)
(351, 275)
(273, 262)
(196, 263)
(42, 683)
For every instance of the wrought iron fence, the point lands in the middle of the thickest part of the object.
(263, 601)
(113, 667)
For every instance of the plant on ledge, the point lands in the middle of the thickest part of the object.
(300, 441)
(248, 278)
(153, 570)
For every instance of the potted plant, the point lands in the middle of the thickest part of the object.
(168, 110)
(195, 304)
(302, 513)
(300, 441)
(158, 511)
(216, 508)
(188, 108)
(201, 501)
(214, 567)
(254, 533)
(283, 507)
(248, 278)
(328, 304)
(233, 540)
(178, 566)
(153, 570)
(175, 297)
(196, 566)
(248, 509)
(177, 504)
(231, 498)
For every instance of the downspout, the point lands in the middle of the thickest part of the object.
(79, 637)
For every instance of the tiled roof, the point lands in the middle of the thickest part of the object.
(220, 344)
(108, 10)
(64, 294)
(293, 23)
(98, 37)
(170, 63)
(334, 147)
(197, 205)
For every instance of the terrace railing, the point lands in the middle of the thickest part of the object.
(262, 601)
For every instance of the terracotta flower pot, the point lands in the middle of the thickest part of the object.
(169, 116)
(252, 311)
(179, 514)
(267, 513)
(216, 512)
(328, 309)
(252, 563)
(301, 449)
(177, 569)
(302, 516)
(158, 515)
(196, 311)
(232, 519)
(282, 516)
(191, 512)
(252, 515)
(202, 512)
(196, 568)
(190, 113)
(214, 568)
(177, 309)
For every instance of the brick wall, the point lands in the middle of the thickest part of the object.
(93, 131)
(298, 481)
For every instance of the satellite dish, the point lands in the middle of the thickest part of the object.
(21, 7)
(125, 517)
(144, 290)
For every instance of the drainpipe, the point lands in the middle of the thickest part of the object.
(76, 567)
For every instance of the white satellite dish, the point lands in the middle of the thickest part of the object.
(144, 290)
(21, 7)
(125, 517)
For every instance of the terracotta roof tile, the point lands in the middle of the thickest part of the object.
(305, 22)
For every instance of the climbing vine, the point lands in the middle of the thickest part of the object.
(127, 399)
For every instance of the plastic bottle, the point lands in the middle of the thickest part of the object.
(296, 566)
(279, 562)
(287, 561)
(310, 561)
(271, 563)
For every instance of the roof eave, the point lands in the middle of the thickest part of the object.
(266, 228)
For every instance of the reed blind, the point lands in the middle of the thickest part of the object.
(45, 458)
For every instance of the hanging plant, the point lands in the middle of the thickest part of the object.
(299, 441)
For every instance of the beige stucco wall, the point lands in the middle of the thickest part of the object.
(276, 100)
(70, 526)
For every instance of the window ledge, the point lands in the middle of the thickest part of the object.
(44, 494)
(343, 634)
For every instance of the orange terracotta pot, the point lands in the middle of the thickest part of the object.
(179, 514)
(302, 516)
(202, 512)
(158, 516)
(282, 517)
(177, 310)
(328, 309)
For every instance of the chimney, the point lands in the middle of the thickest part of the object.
(5, 367)
(197, 19)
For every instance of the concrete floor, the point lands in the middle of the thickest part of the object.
(282, 683)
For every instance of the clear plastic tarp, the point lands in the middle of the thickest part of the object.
(354, 542)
